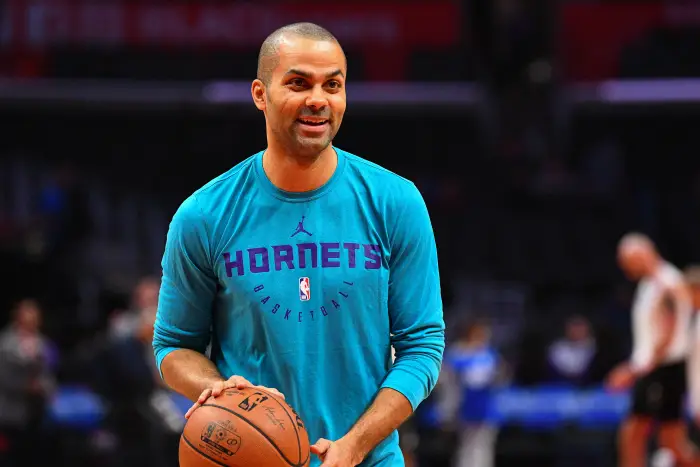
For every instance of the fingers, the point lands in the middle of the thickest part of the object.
(190, 410)
(219, 387)
(241, 383)
(201, 400)
(238, 382)
(321, 447)
(274, 391)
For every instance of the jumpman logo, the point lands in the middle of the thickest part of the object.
(300, 228)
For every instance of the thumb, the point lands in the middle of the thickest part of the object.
(320, 447)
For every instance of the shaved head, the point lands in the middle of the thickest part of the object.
(300, 87)
(268, 58)
(637, 255)
(633, 242)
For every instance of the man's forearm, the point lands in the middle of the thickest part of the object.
(388, 411)
(659, 353)
(189, 372)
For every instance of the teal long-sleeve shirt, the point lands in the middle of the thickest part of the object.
(307, 292)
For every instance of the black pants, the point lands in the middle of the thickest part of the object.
(659, 395)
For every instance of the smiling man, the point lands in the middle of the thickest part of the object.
(303, 265)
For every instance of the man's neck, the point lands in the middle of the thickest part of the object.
(293, 174)
(656, 268)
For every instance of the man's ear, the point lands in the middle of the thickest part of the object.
(257, 90)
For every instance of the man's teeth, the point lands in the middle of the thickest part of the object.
(313, 122)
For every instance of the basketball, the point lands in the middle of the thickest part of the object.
(244, 428)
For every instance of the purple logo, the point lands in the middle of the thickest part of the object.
(300, 228)
(302, 255)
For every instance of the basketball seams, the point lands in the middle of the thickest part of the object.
(294, 423)
(270, 440)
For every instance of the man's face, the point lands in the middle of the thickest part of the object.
(305, 100)
(577, 330)
(29, 316)
(146, 294)
(479, 333)
(634, 263)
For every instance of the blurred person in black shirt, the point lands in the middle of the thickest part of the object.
(142, 414)
(26, 383)
(145, 295)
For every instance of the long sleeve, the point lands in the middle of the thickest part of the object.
(188, 286)
(415, 302)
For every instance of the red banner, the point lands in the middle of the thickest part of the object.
(386, 32)
(593, 35)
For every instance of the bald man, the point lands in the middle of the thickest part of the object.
(656, 371)
(304, 264)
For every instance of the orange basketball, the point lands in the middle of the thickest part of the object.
(244, 428)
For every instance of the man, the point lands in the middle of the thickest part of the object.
(26, 383)
(144, 297)
(660, 319)
(126, 376)
(308, 263)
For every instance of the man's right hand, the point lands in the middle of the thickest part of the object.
(217, 388)
(621, 378)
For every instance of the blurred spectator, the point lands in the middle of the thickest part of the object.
(571, 357)
(145, 296)
(26, 384)
(144, 418)
(471, 368)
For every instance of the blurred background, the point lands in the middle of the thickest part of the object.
(539, 132)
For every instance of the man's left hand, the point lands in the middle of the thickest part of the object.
(336, 453)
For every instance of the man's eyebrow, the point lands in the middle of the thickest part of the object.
(306, 74)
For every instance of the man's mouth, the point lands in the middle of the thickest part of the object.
(312, 121)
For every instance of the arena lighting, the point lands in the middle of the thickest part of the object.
(439, 96)
(621, 92)
(442, 96)
(443, 93)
